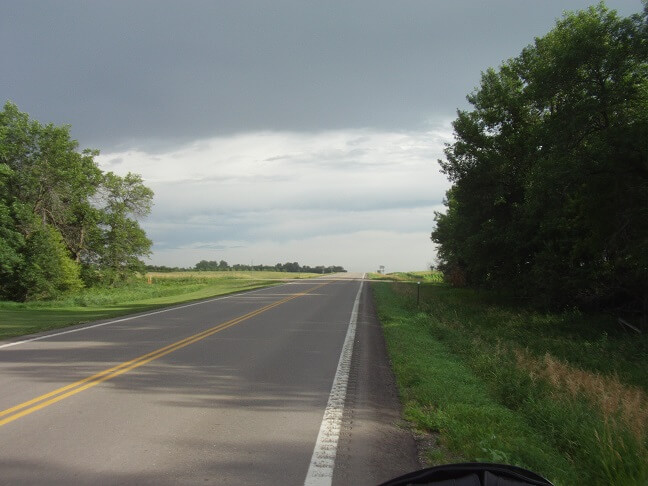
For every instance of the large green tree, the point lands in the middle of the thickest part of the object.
(11, 240)
(120, 241)
(61, 217)
(550, 168)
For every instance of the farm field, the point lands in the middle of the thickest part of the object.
(424, 276)
(17, 319)
(481, 379)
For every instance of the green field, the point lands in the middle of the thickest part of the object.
(17, 319)
(565, 395)
(425, 276)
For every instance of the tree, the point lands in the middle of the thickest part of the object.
(60, 216)
(202, 266)
(49, 175)
(550, 168)
(120, 242)
(11, 240)
(47, 270)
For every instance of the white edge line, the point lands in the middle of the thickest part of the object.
(320, 471)
(129, 318)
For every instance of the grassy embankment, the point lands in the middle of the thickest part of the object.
(565, 395)
(426, 276)
(17, 319)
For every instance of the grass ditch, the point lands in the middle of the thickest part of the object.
(18, 318)
(564, 395)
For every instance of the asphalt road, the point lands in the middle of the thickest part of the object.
(226, 391)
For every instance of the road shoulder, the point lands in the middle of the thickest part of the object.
(375, 443)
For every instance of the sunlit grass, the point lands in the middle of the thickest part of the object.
(17, 319)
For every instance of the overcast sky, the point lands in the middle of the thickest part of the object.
(270, 131)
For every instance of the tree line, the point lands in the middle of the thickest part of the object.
(293, 267)
(549, 170)
(64, 223)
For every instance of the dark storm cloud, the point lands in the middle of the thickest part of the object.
(156, 73)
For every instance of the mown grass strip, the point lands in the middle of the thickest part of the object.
(460, 378)
(19, 319)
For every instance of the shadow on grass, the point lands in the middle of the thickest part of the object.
(20, 322)
(18, 319)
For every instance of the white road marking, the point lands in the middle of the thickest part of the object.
(114, 321)
(320, 471)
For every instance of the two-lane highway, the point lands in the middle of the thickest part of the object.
(226, 391)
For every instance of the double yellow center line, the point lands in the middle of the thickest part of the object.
(30, 406)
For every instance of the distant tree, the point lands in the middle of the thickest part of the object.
(165, 269)
(213, 266)
(202, 265)
(293, 267)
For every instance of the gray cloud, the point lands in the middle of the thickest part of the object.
(270, 130)
(214, 196)
(154, 74)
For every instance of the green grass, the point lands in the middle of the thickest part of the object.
(424, 276)
(561, 394)
(17, 319)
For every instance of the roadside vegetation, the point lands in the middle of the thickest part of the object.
(564, 394)
(65, 224)
(425, 276)
(292, 267)
(549, 171)
(519, 356)
(165, 289)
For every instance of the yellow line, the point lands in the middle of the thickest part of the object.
(59, 394)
